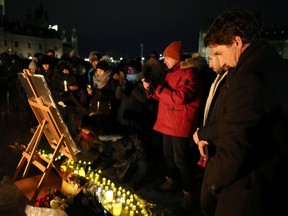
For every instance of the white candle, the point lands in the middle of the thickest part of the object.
(65, 86)
(98, 104)
(109, 195)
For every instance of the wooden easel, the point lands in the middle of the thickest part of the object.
(50, 124)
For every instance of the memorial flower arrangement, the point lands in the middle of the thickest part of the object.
(53, 203)
(54, 199)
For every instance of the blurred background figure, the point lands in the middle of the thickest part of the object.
(46, 68)
(132, 109)
(68, 95)
(102, 91)
(94, 58)
(33, 66)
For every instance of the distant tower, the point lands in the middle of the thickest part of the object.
(74, 40)
(2, 7)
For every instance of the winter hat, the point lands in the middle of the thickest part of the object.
(45, 59)
(174, 50)
(104, 65)
(136, 65)
(33, 65)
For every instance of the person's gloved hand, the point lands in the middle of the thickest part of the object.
(151, 91)
(149, 86)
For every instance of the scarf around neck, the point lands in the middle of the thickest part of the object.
(101, 81)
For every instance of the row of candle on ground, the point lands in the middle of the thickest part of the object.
(119, 203)
(118, 209)
(82, 168)
(108, 194)
(104, 187)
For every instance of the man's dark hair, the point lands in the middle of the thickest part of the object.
(233, 23)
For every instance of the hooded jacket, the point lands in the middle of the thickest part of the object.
(179, 99)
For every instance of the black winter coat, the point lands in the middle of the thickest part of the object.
(248, 126)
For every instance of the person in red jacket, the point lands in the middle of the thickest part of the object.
(179, 99)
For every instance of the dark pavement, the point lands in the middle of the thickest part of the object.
(15, 132)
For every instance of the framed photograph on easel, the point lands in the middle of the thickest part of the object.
(51, 125)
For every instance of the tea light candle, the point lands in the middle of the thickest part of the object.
(117, 209)
(126, 210)
(109, 195)
(143, 211)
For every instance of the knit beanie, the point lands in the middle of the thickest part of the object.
(136, 65)
(104, 65)
(33, 65)
(174, 50)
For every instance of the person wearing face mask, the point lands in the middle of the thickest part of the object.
(132, 96)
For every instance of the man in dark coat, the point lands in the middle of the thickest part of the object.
(245, 169)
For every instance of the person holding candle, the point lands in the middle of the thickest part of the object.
(102, 91)
(67, 93)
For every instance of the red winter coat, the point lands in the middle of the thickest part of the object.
(179, 99)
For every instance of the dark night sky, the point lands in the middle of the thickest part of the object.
(122, 25)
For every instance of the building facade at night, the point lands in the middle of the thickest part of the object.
(32, 35)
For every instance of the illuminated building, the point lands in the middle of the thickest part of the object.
(32, 35)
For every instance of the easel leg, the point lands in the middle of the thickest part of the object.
(30, 150)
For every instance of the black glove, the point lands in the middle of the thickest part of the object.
(151, 91)
(152, 87)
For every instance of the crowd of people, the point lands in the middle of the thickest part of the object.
(229, 112)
